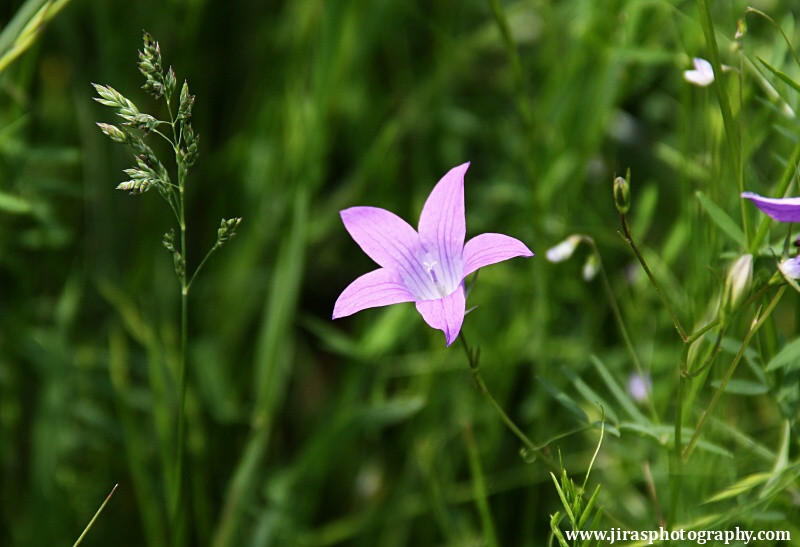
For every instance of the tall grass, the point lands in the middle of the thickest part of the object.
(368, 431)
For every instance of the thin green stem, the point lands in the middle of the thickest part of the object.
(516, 65)
(695, 336)
(175, 513)
(163, 136)
(182, 374)
(202, 263)
(174, 207)
(778, 27)
(596, 450)
(94, 518)
(612, 302)
(675, 462)
(758, 321)
(722, 90)
(479, 489)
(529, 447)
(685, 372)
(632, 243)
(177, 142)
(677, 458)
(520, 90)
(740, 134)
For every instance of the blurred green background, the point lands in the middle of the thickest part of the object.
(366, 431)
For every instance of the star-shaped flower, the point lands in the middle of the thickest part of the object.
(782, 210)
(426, 266)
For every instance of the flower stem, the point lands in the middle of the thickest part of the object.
(675, 462)
(177, 492)
(94, 518)
(529, 449)
(479, 488)
(731, 129)
(740, 134)
(612, 302)
(758, 321)
(202, 263)
(516, 64)
(632, 243)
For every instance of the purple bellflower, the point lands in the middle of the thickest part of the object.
(782, 210)
(425, 266)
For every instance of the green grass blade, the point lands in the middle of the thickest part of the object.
(721, 219)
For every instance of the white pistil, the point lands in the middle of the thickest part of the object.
(432, 274)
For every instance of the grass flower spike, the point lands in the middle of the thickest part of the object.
(426, 266)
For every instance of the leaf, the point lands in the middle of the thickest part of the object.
(390, 412)
(740, 487)
(563, 499)
(565, 400)
(665, 436)
(590, 395)
(661, 435)
(782, 75)
(556, 530)
(589, 507)
(788, 357)
(722, 219)
(24, 28)
(743, 387)
(619, 394)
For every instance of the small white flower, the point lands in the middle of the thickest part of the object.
(703, 74)
(591, 267)
(563, 250)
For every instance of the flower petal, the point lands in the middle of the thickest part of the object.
(782, 210)
(392, 243)
(790, 267)
(442, 226)
(488, 249)
(374, 289)
(563, 250)
(702, 75)
(445, 314)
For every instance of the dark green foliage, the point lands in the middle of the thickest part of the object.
(359, 432)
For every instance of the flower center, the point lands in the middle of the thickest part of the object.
(436, 282)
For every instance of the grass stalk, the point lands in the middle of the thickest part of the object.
(612, 302)
(758, 321)
(479, 489)
(529, 449)
(94, 518)
(629, 238)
